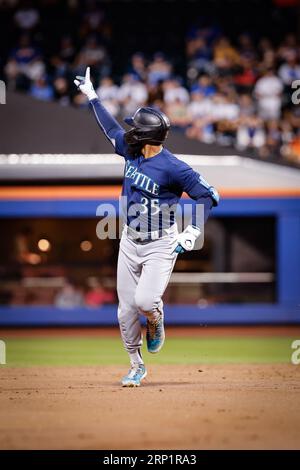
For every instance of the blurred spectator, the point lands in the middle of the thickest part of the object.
(251, 134)
(200, 106)
(201, 129)
(94, 55)
(96, 295)
(291, 151)
(225, 113)
(63, 59)
(68, 297)
(199, 56)
(246, 105)
(267, 54)
(273, 138)
(174, 91)
(288, 46)
(108, 94)
(41, 90)
(132, 94)
(159, 69)
(138, 66)
(226, 57)
(156, 94)
(61, 91)
(177, 113)
(231, 90)
(80, 100)
(224, 108)
(24, 64)
(290, 69)
(204, 85)
(245, 75)
(27, 16)
(93, 20)
(268, 91)
(246, 47)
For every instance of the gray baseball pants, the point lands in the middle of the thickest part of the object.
(143, 274)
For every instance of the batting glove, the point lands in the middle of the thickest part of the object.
(186, 240)
(85, 85)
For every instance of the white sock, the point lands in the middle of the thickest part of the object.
(136, 358)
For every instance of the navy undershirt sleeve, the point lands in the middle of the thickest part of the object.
(110, 127)
(208, 204)
(196, 187)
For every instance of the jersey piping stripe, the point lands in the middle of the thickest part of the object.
(112, 141)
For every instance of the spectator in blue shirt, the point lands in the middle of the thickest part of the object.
(41, 90)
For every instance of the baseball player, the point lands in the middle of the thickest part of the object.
(154, 179)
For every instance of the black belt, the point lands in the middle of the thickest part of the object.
(142, 238)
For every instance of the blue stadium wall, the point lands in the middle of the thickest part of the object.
(286, 209)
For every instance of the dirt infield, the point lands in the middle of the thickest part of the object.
(192, 407)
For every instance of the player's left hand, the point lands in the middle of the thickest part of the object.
(186, 240)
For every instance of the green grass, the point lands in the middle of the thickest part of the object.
(107, 351)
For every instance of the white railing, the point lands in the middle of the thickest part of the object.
(177, 278)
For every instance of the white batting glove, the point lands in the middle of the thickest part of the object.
(85, 85)
(187, 239)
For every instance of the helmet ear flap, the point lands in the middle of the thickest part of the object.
(131, 137)
(134, 144)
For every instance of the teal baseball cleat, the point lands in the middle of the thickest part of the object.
(135, 375)
(155, 334)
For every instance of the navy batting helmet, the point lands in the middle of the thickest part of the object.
(149, 126)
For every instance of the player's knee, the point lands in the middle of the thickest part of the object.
(145, 302)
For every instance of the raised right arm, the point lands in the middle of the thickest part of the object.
(107, 123)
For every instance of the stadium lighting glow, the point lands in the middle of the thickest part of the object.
(86, 245)
(44, 245)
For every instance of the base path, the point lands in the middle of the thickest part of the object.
(178, 407)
